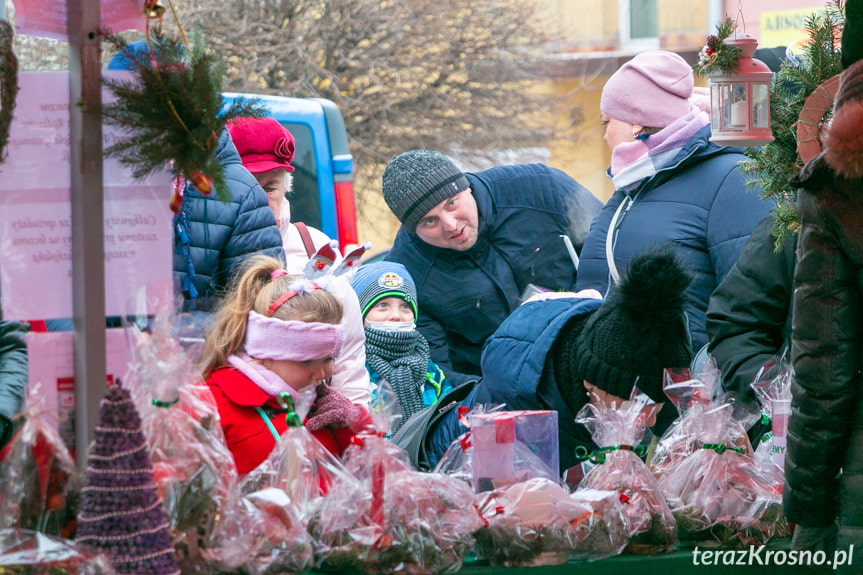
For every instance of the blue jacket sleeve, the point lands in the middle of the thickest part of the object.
(13, 375)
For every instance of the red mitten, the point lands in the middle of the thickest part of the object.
(332, 410)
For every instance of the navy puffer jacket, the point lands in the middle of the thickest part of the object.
(212, 236)
(464, 296)
(700, 203)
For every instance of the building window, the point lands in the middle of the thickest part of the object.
(638, 24)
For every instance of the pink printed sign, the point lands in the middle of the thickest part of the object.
(54, 373)
(35, 215)
(47, 18)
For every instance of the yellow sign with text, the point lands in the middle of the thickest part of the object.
(785, 27)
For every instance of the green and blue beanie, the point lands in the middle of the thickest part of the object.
(376, 281)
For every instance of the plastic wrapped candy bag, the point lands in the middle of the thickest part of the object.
(25, 552)
(772, 387)
(717, 493)
(269, 537)
(192, 465)
(618, 431)
(687, 393)
(456, 460)
(537, 522)
(300, 465)
(410, 522)
(40, 486)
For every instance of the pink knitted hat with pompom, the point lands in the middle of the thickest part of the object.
(651, 90)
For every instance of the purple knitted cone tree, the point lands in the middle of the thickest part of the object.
(121, 513)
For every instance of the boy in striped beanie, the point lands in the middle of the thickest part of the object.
(395, 351)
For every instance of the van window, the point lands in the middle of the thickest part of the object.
(305, 200)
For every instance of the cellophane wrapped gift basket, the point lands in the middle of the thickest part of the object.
(705, 468)
(39, 484)
(192, 466)
(772, 387)
(26, 552)
(618, 432)
(538, 522)
(399, 519)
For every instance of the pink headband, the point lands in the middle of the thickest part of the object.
(297, 288)
(270, 338)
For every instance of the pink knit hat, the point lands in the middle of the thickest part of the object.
(651, 90)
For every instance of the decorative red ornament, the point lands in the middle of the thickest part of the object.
(202, 182)
(708, 51)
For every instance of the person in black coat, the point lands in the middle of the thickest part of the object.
(823, 491)
(749, 314)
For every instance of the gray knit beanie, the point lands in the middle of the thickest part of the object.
(417, 181)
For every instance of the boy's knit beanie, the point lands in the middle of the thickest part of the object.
(376, 281)
(639, 331)
(417, 181)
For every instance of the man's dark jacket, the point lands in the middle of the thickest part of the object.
(464, 296)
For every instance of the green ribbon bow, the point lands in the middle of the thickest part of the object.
(721, 448)
(598, 455)
(286, 402)
(158, 403)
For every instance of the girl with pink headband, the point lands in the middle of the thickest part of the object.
(273, 344)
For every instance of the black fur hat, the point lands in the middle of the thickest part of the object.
(640, 330)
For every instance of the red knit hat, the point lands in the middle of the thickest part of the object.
(263, 143)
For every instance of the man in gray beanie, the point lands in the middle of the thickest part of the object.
(475, 242)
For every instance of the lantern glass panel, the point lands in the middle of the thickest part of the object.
(760, 105)
(738, 107)
(716, 106)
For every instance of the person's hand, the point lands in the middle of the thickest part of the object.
(332, 410)
(815, 539)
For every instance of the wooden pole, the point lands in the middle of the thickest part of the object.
(88, 261)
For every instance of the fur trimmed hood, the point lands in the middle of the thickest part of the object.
(843, 139)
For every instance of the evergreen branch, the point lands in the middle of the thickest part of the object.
(716, 55)
(171, 112)
(775, 165)
(8, 83)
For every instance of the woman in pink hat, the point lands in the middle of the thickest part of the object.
(672, 184)
(267, 149)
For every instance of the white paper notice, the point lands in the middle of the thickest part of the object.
(35, 214)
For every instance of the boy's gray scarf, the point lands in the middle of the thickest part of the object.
(401, 358)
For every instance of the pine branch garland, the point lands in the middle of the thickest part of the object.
(171, 112)
(776, 164)
(8, 84)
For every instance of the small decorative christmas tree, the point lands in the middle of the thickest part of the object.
(121, 512)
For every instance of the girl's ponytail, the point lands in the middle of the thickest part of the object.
(229, 329)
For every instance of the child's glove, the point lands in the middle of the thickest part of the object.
(332, 410)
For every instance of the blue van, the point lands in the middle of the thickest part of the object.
(323, 195)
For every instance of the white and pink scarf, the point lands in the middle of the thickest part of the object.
(633, 162)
